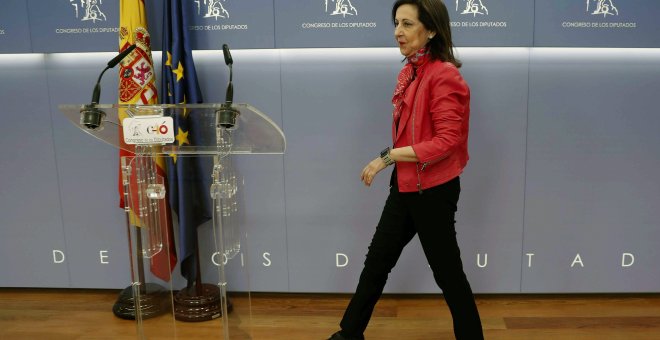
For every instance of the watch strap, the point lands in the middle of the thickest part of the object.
(385, 156)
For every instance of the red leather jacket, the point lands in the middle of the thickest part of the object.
(434, 121)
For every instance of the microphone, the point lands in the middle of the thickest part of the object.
(226, 115)
(90, 116)
(225, 51)
(112, 63)
(229, 97)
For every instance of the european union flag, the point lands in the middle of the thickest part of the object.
(188, 182)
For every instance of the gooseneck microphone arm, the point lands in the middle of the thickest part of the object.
(96, 95)
(90, 115)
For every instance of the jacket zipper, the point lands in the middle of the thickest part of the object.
(424, 165)
(419, 178)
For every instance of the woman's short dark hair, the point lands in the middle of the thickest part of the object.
(435, 18)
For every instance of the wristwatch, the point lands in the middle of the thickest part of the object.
(385, 156)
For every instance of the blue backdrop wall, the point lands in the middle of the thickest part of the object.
(560, 195)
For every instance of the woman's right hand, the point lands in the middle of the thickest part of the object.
(371, 169)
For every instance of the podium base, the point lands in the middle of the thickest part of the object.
(188, 306)
(154, 301)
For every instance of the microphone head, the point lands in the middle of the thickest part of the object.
(112, 63)
(225, 51)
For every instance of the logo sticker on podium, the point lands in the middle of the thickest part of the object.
(148, 130)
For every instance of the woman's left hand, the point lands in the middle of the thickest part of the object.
(370, 171)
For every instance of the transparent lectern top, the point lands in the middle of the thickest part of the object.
(247, 131)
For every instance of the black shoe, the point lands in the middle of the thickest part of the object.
(338, 336)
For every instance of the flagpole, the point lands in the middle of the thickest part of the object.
(198, 278)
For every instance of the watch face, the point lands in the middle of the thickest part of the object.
(385, 156)
(385, 152)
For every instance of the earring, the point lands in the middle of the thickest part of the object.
(430, 37)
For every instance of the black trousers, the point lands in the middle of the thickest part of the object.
(431, 216)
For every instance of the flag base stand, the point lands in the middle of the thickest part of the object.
(154, 301)
(193, 307)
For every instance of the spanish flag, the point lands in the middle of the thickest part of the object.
(137, 86)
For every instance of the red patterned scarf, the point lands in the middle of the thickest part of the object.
(406, 76)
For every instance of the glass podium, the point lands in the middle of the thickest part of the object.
(189, 279)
